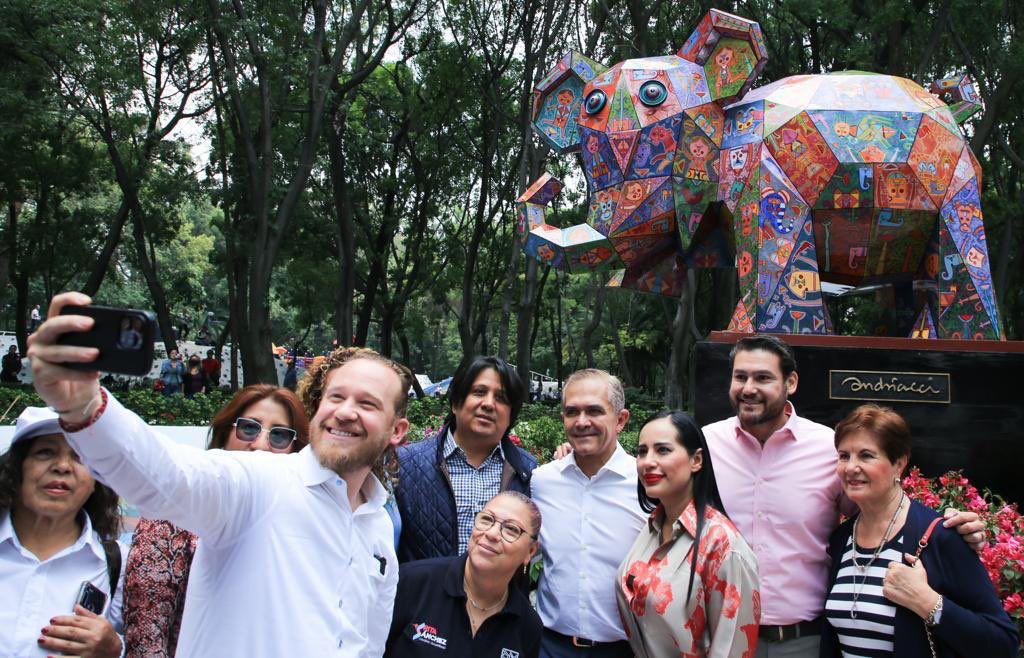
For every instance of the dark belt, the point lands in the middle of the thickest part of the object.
(582, 642)
(790, 632)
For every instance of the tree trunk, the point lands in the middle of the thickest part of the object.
(99, 269)
(586, 343)
(676, 367)
(148, 266)
(624, 370)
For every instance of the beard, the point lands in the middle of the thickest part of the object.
(770, 411)
(348, 459)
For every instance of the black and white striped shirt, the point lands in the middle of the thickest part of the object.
(870, 634)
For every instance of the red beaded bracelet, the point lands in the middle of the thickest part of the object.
(93, 417)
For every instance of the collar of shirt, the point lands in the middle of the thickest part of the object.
(87, 539)
(455, 578)
(619, 463)
(313, 474)
(451, 447)
(787, 431)
(687, 520)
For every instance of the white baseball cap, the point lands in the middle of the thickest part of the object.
(36, 421)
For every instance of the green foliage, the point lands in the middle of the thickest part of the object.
(151, 406)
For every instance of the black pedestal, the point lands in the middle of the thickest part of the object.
(964, 400)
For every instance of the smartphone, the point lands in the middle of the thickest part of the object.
(91, 598)
(124, 337)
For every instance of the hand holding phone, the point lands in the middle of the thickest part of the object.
(124, 338)
(91, 598)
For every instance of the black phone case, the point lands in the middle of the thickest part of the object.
(91, 598)
(106, 336)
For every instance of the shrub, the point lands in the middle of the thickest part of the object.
(1003, 557)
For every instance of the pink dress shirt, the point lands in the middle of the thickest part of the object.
(785, 499)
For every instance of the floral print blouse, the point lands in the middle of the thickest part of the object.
(154, 588)
(722, 616)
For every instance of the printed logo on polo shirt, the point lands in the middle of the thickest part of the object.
(427, 634)
(508, 653)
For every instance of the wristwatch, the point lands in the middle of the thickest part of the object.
(935, 615)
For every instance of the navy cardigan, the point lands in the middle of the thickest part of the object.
(973, 622)
(426, 502)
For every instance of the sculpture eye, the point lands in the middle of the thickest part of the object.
(595, 101)
(653, 93)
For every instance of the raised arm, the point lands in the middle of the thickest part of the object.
(209, 493)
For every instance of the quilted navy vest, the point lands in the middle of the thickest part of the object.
(426, 501)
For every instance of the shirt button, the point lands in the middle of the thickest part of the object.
(760, 515)
(339, 482)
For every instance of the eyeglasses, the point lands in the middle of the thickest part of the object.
(510, 532)
(248, 430)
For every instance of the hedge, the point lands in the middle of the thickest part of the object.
(538, 429)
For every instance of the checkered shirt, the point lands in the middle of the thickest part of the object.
(473, 487)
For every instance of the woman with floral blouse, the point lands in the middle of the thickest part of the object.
(259, 417)
(688, 586)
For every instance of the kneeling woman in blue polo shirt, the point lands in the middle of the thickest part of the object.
(467, 606)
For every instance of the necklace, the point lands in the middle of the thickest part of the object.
(863, 568)
(476, 605)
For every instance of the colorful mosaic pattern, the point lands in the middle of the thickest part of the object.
(851, 178)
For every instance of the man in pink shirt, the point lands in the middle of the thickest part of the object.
(777, 476)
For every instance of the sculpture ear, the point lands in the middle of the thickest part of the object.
(731, 50)
(557, 100)
(960, 93)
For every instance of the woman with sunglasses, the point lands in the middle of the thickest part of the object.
(259, 417)
(689, 584)
(467, 605)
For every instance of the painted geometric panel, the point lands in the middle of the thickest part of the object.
(735, 166)
(730, 64)
(689, 84)
(865, 136)
(691, 200)
(744, 124)
(656, 149)
(710, 119)
(696, 155)
(897, 187)
(803, 155)
(605, 84)
(599, 164)
(851, 186)
(934, 156)
(843, 238)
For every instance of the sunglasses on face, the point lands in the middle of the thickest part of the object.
(510, 532)
(248, 430)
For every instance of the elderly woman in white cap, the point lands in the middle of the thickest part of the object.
(57, 548)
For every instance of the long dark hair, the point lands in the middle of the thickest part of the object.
(705, 487)
(101, 506)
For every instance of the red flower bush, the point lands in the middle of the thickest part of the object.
(1003, 558)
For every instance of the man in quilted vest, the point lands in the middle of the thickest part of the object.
(445, 480)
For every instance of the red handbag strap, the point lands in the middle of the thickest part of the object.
(926, 536)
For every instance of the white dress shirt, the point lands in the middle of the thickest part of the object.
(587, 527)
(284, 567)
(33, 592)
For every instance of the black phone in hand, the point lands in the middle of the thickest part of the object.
(124, 337)
(91, 598)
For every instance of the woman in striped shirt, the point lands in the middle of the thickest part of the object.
(882, 600)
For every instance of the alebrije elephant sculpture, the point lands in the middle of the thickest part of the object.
(851, 177)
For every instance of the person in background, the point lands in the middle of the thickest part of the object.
(11, 366)
(34, 318)
(900, 583)
(194, 381)
(466, 605)
(258, 417)
(291, 375)
(211, 366)
(445, 480)
(689, 545)
(172, 372)
(57, 532)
